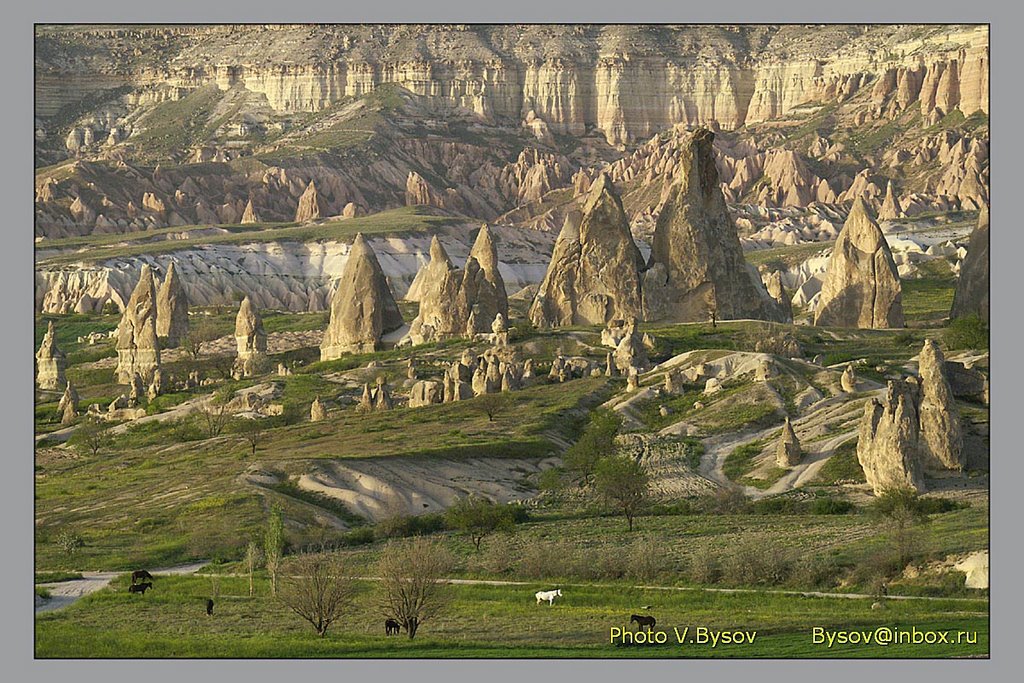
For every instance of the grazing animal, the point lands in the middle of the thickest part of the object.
(548, 595)
(141, 575)
(140, 587)
(643, 622)
(209, 606)
(392, 627)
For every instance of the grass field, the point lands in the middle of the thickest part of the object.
(487, 621)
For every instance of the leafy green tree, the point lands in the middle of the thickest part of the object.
(91, 435)
(624, 484)
(596, 442)
(253, 556)
(479, 517)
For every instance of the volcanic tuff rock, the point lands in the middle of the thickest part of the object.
(310, 207)
(362, 308)
(971, 296)
(50, 362)
(426, 392)
(849, 379)
(317, 411)
(887, 442)
(862, 285)
(172, 309)
(697, 264)
(138, 351)
(250, 340)
(442, 313)
(788, 452)
(483, 287)
(941, 435)
(594, 275)
(891, 209)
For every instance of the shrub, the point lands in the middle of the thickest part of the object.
(705, 567)
(970, 332)
(755, 563)
(725, 501)
(831, 506)
(69, 542)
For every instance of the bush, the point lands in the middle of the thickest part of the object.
(547, 560)
(725, 501)
(970, 332)
(69, 542)
(815, 571)
(831, 506)
(705, 567)
(754, 563)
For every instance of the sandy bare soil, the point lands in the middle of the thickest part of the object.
(63, 593)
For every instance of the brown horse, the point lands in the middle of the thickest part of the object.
(141, 575)
(140, 587)
(643, 622)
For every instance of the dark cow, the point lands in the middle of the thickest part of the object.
(643, 622)
(140, 587)
(392, 627)
(209, 606)
(141, 575)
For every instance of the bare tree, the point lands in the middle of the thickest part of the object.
(253, 556)
(216, 413)
(412, 586)
(91, 435)
(197, 337)
(273, 545)
(318, 590)
(252, 430)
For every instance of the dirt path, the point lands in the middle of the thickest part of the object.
(63, 593)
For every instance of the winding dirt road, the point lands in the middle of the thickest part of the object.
(64, 593)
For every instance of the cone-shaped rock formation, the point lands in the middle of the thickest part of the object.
(172, 309)
(138, 351)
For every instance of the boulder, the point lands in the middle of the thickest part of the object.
(972, 289)
(788, 453)
(138, 351)
(363, 308)
(499, 330)
(862, 285)
(172, 309)
(630, 352)
(250, 340)
(594, 273)
(426, 392)
(50, 362)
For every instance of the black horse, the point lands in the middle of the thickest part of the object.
(392, 627)
(141, 575)
(209, 606)
(643, 622)
(140, 587)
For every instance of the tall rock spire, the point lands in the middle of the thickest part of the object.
(138, 351)
(172, 309)
(363, 308)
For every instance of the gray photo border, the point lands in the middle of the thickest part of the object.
(17, 278)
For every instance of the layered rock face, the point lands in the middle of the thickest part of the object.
(138, 350)
(362, 308)
(172, 309)
(594, 275)
(250, 340)
(942, 437)
(887, 442)
(50, 362)
(697, 264)
(971, 296)
(862, 285)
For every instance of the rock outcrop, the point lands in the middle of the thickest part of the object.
(891, 209)
(788, 452)
(887, 441)
(172, 309)
(310, 206)
(250, 341)
(594, 274)
(849, 379)
(697, 265)
(456, 303)
(426, 392)
(138, 349)
(862, 285)
(317, 411)
(362, 308)
(941, 434)
(50, 362)
(971, 296)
